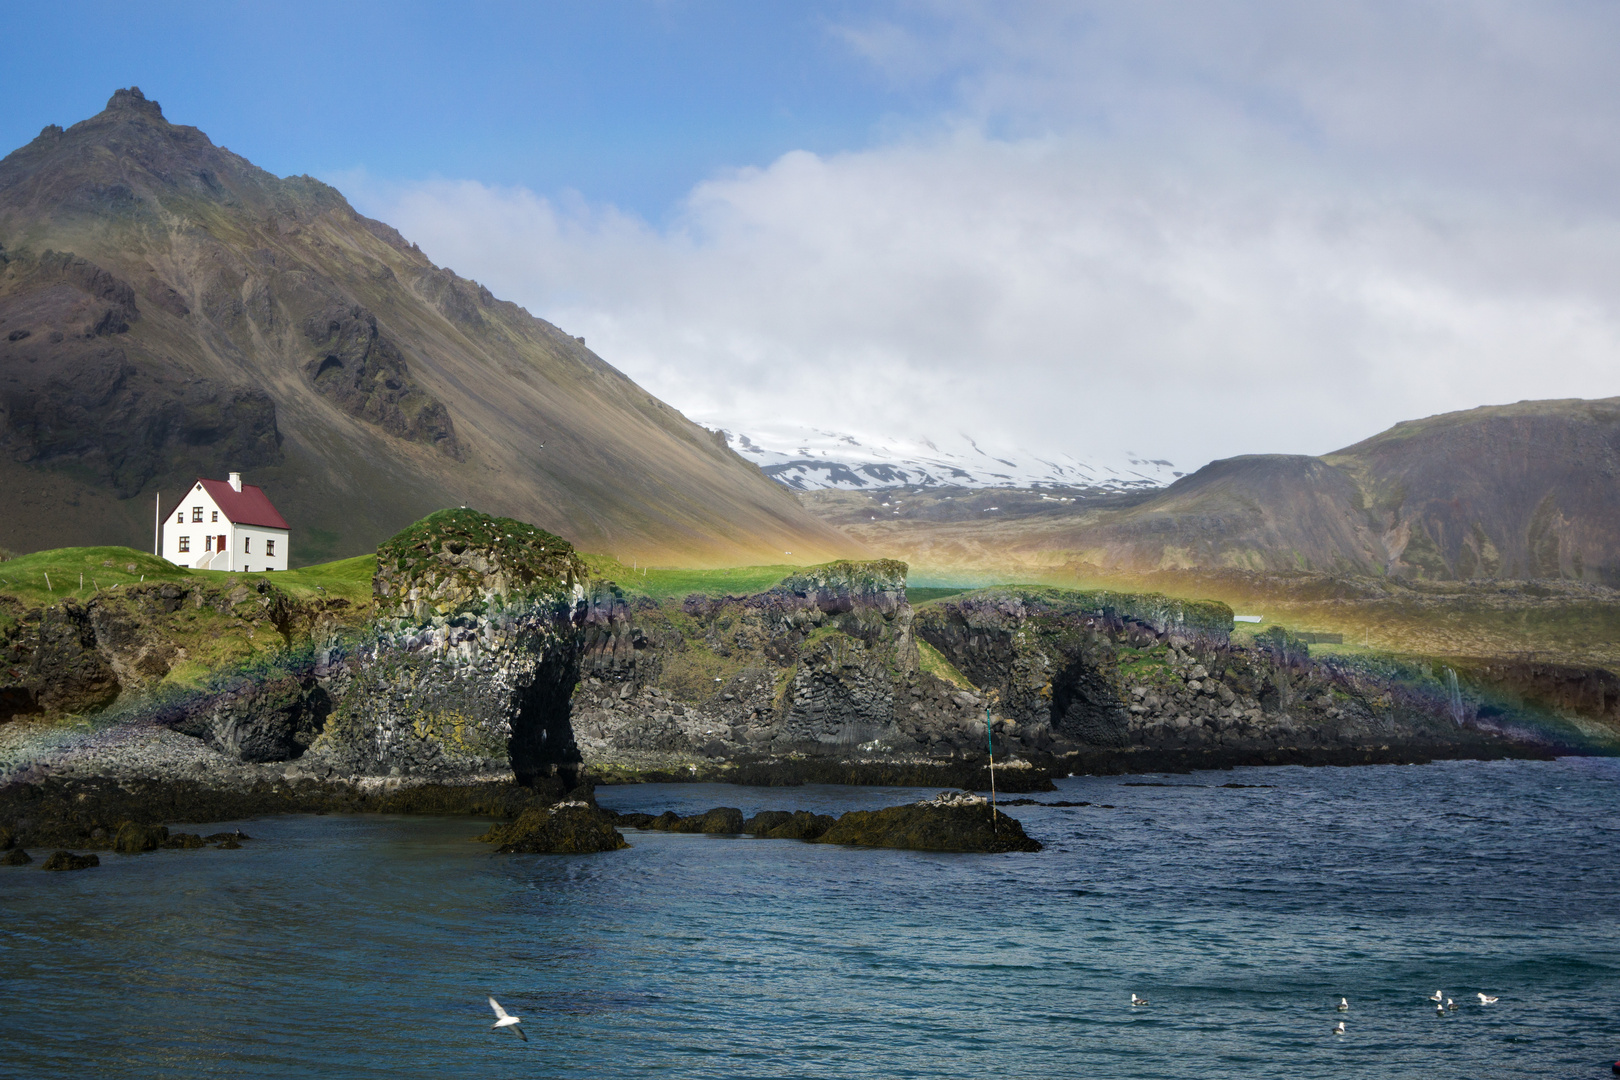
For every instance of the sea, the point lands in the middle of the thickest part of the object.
(1242, 905)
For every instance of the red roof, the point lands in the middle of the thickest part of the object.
(250, 506)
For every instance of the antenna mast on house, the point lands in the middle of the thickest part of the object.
(157, 523)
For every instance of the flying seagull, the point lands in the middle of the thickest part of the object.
(503, 1020)
(1485, 999)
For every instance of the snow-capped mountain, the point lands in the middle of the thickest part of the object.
(812, 458)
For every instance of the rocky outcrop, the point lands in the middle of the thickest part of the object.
(472, 658)
(359, 368)
(569, 828)
(67, 860)
(80, 656)
(968, 825)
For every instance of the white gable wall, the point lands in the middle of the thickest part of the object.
(196, 543)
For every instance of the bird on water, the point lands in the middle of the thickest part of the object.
(1486, 999)
(505, 1019)
(1344, 1005)
(1437, 996)
(1338, 1029)
(1138, 1001)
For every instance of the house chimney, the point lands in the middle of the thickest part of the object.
(236, 481)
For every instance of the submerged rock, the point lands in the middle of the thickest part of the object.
(66, 860)
(15, 857)
(566, 829)
(931, 826)
(184, 840)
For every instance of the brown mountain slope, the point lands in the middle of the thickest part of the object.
(1530, 490)
(168, 309)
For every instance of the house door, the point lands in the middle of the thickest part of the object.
(220, 546)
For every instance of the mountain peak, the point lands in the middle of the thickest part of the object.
(130, 99)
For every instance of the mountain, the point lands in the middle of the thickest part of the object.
(1530, 490)
(813, 459)
(168, 309)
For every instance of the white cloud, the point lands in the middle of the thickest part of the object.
(1181, 271)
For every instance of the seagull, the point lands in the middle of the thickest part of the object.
(1437, 996)
(1451, 1006)
(1485, 999)
(1439, 1010)
(1138, 1001)
(1344, 1006)
(503, 1020)
(1338, 1029)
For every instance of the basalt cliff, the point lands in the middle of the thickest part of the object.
(489, 651)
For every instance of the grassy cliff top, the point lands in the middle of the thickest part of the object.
(676, 583)
(457, 559)
(79, 573)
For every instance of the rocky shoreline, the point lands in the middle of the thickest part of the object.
(492, 675)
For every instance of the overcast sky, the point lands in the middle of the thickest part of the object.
(1190, 229)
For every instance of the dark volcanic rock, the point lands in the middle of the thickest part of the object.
(474, 658)
(720, 820)
(356, 365)
(788, 825)
(931, 827)
(66, 860)
(185, 841)
(132, 839)
(272, 720)
(15, 857)
(568, 829)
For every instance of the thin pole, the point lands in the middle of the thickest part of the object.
(157, 523)
(990, 741)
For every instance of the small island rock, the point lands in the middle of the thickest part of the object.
(566, 829)
(66, 860)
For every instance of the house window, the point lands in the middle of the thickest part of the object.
(216, 516)
(185, 543)
(208, 543)
(247, 543)
(269, 547)
(180, 518)
(196, 514)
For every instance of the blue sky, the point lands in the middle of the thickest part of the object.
(629, 103)
(1178, 229)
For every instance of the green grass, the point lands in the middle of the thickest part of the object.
(921, 595)
(346, 578)
(934, 662)
(47, 577)
(675, 583)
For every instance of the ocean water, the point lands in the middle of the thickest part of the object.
(365, 946)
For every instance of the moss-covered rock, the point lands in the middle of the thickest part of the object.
(788, 824)
(720, 820)
(184, 841)
(931, 827)
(67, 860)
(463, 561)
(566, 829)
(473, 658)
(15, 857)
(133, 838)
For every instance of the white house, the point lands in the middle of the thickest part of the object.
(225, 525)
